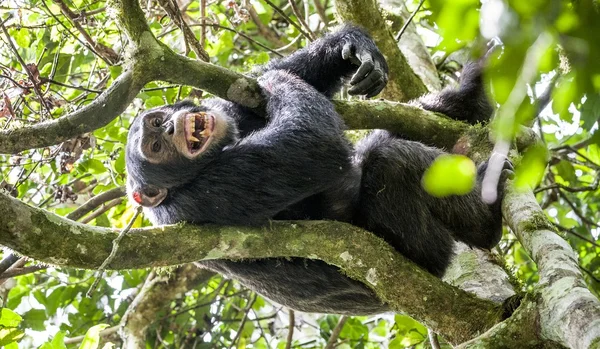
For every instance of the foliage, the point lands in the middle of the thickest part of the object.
(554, 53)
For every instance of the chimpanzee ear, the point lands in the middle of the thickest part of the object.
(149, 195)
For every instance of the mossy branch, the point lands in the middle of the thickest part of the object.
(568, 313)
(97, 114)
(48, 238)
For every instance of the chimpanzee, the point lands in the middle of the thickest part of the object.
(220, 163)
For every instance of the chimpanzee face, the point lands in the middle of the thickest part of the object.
(164, 134)
(165, 143)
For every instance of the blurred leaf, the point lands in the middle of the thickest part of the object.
(354, 330)
(450, 175)
(22, 37)
(590, 111)
(530, 171)
(9, 336)
(93, 166)
(9, 318)
(92, 337)
(445, 15)
(34, 319)
(58, 342)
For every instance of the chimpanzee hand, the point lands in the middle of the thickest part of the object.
(506, 172)
(372, 73)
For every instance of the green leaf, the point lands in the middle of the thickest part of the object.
(410, 331)
(154, 101)
(354, 330)
(9, 318)
(93, 166)
(10, 335)
(35, 318)
(450, 175)
(58, 342)
(530, 171)
(22, 38)
(92, 337)
(590, 111)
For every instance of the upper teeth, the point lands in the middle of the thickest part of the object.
(192, 123)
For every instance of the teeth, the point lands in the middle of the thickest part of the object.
(191, 125)
(191, 137)
(205, 133)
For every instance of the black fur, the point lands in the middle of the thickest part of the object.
(298, 165)
(468, 102)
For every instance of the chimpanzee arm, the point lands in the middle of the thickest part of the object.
(300, 152)
(347, 52)
(467, 102)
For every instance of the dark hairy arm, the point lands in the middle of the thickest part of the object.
(347, 52)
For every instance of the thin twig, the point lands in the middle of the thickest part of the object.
(576, 234)
(96, 201)
(433, 339)
(80, 88)
(290, 336)
(101, 211)
(288, 19)
(174, 14)
(24, 66)
(85, 44)
(244, 319)
(336, 332)
(321, 12)
(21, 271)
(8, 261)
(108, 53)
(591, 187)
(203, 22)
(264, 30)
(571, 149)
(214, 25)
(17, 265)
(105, 332)
(577, 212)
(113, 252)
(408, 21)
(589, 272)
(300, 19)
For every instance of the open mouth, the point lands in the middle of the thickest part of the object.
(198, 131)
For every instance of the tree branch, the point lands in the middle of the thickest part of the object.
(97, 114)
(568, 312)
(154, 297)
(449, 311)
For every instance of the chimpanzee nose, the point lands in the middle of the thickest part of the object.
(169, 128)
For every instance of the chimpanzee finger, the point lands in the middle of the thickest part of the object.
(365, 85)
(375, 90)
(348, 54)
(347, 51)
(508, 165)
(365, 68)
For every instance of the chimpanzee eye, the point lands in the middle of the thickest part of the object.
(156, 146)
(156, 122)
